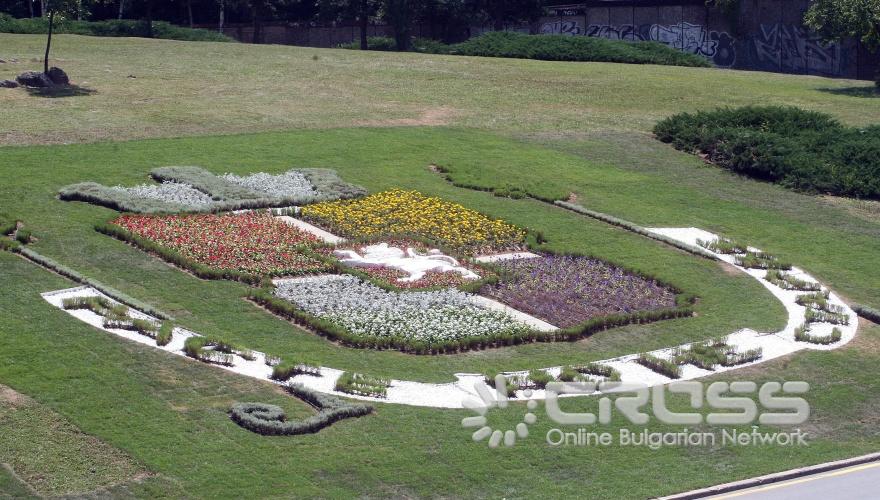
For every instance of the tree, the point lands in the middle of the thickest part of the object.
(502, 12)
(350, 10)
(55, 7)
(837, 19)
(400, 15)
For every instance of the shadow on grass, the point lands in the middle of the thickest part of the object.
(872, 91)
(60, 91)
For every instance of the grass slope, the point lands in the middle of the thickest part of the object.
(187, 88)
(583, 131)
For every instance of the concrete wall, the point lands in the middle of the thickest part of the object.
(768, 35)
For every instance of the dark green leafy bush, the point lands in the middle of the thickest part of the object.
(548, 48)
(573, 48)
(125, 27)
(270, 420)
(799, 149)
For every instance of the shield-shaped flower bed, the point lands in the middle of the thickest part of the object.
(570, 290)
(399, 212)
(254, 244)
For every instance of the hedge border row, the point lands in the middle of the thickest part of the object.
(631, 226)
(268, 420)
(866, 312)
(73, 275)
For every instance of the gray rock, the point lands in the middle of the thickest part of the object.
(8, 84)
(34, 79)
(58, 76)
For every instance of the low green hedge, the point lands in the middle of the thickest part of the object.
(269, 420)
(111, 28)
(574, 48)
(867, 312)
(548, 48)
(799, 149)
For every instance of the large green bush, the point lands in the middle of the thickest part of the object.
(574, 48)
(124, 27)
(799, 149)
(549, 48)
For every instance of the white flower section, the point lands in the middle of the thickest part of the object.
(367, 310)
(171, 192)
(409, 261)
(290, 184)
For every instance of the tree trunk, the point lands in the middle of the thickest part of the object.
(31, 7)
(149, 18)
(121, 8)
(222, 15)
(48, 42)
(364, 20)
(42, 8)
(79, 9)
(257, 24)
(189, 11)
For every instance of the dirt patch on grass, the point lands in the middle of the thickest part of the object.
(12, 398)
(429, 117)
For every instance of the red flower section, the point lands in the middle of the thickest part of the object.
(250, 242)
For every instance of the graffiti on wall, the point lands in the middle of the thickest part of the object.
(792, 48)
(716, 46)
(562, 28)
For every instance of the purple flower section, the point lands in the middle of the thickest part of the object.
(566, 290)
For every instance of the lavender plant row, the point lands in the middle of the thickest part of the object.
(569, 290)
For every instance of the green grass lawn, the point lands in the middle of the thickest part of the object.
(550, 128)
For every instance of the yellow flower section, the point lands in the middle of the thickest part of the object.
(400, 212)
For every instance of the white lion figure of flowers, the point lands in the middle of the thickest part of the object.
(410, 261)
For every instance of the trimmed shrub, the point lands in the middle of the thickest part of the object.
(270, 420)
(165, 334)
(197, 347)
(23, 236)
(283, 371)
(802, 334)
(723, 245)
(539, 379)
(610, 374)
(110, 28)
(798, 149)
(814, 316)
(662, 366)
(761, 260)
(362, 385)
(572, 48)
(789, 282)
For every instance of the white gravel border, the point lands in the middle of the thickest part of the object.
(506, 256)
(452, 395)
(309, 228)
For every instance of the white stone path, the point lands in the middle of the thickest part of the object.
(452, 395)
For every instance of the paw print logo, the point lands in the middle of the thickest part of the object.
(499, 399)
